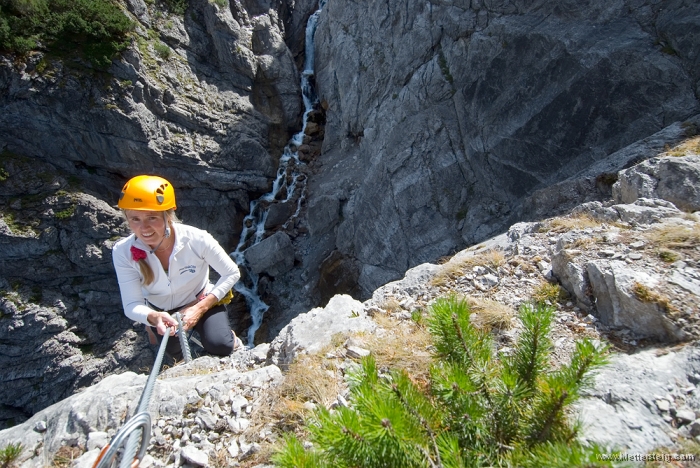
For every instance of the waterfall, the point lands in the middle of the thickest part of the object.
(285, 183)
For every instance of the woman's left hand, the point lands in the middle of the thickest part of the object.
(193, 312)
(191, 315)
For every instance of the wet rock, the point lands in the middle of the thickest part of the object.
(273, 256)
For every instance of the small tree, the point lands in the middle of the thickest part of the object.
(9, 454)
(480, 409)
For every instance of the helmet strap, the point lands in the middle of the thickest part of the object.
(167, 234)
(167, 226)
(157, 246)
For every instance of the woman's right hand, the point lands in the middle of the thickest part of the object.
(162, 320)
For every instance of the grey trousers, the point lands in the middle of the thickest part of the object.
(213, 328)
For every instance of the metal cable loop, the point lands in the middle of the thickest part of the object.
(139, 424)
(140, 421)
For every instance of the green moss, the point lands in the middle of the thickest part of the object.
(3, 174)
(444, 68)
(65, 214)
(15, 226)
(41, 66)
(668, 256)
(74, 182)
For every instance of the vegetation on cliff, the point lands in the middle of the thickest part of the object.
(479, 409)
(95, 29)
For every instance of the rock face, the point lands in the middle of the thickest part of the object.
(207, 100)
(311, 331)
(644, 399)
(435, 121)
(676, 180)
(211, 113)
(205, 397)
(274, 255)
(442, 117)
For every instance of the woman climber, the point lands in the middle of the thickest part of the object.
(163, 268)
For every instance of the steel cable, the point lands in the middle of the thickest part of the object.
(184, 344)
(140, 423)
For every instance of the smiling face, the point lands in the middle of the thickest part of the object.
(149, 226)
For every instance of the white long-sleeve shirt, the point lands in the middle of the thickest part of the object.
(195, 250)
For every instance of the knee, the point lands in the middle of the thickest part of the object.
(219, 347)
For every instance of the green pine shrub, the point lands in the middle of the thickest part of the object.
(162, 50)
(9, 454)
(94, 29)
(177, 7)
(480, 409)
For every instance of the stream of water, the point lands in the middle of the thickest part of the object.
(289, 180)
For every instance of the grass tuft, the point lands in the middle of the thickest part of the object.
(675, 236)
(570, 223)
(646, 294)
(65, 455)
(406, 347)
(688, 147)
(488, 315)
(668, 256)
(456, 268)
(548, 293)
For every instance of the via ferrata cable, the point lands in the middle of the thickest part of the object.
(139, 426)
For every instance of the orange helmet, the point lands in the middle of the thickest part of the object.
(147, 193)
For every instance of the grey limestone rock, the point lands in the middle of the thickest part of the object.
(620, 411)
(194, 456)
(87, 418)
(273, 256)
(458, 112)
(612, 284)
(310, 331)
(674, 179)
(646, 211)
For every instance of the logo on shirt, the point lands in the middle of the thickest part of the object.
(188, 269)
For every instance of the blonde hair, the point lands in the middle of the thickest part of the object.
(146, 270)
